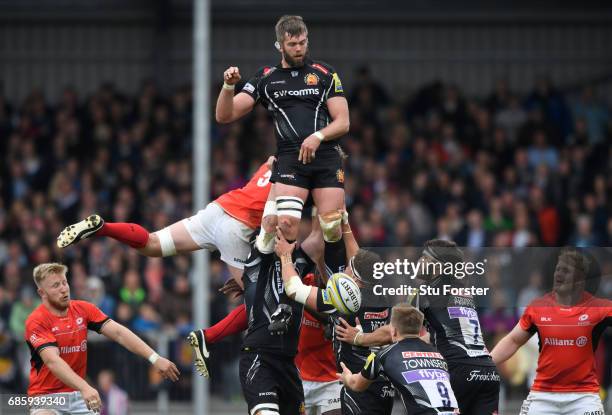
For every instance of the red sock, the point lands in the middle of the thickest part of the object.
(128, 233)
(233, 323)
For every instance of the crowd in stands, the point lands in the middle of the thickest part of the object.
(503, 170)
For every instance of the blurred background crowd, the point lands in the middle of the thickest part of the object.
(501, 170)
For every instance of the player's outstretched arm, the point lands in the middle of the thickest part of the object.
(230, 107)
(350, 243)
(294, 288)
(58, 366)
(126, 338)
(354, 381)
(507, 346)
(349, 334)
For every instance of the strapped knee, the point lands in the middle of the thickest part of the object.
(166, 242)
(289, 206)
(331, 225)
(265, 409)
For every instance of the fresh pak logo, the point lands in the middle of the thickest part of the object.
(371, 315)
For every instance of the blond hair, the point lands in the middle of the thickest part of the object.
(291, 25)
(576, 259)
(43, 270)
(406, 319)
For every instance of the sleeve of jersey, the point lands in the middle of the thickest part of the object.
(39, 336)
(250, 87)
(526, 321)
(95, 317)
(324, 304)
(336, 90)
(372, 367)
(335, 256)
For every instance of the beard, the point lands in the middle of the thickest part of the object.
(293, 62)
(59, 304)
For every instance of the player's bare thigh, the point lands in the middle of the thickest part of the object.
(289, 224)
(328, 199)
(183, 241)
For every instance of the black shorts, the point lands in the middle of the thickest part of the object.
(376, 400)
(476, 388)
(271, 383)
(324, 171)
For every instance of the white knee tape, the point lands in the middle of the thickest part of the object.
(289, 206)
(166, 242)
(331, 227)
(265, 241)
(269, 208)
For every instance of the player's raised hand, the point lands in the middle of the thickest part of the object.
(231, 289)
(345, 332)
(282, 247)
(231, 76)
(346, 373)
(91, 398)
(167, 369)
(309, 148)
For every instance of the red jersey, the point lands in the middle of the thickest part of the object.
(247, 203)
(315, 358)
(69, 334)
(568, 339)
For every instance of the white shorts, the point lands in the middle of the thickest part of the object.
(320, 397)
(213, 229)
(562, 403)
(64, 403)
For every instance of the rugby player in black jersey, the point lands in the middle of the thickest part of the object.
(455, 330)
(306, 100)
(416, 369)
(378, 398)
(268, 375)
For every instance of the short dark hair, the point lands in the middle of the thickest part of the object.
(406, 319)
(363, 264)
(443, 251)
(292, 25)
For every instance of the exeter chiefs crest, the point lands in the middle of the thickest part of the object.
(311, 79)
(340, 175)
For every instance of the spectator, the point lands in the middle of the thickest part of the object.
(97, 295)
(114, 399)
(132, 292)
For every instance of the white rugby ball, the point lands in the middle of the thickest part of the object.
(343, 293)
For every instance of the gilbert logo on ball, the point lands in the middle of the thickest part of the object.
(343, 293)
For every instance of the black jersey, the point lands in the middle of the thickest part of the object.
(263, 292)
(297, 99)
(418, 372)
(371, 318)
(454, 326)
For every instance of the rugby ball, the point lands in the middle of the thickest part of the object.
(343, 293)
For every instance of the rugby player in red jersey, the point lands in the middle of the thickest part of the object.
(226, 224)
(569, 322)
(56, 333)
(317, 365)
